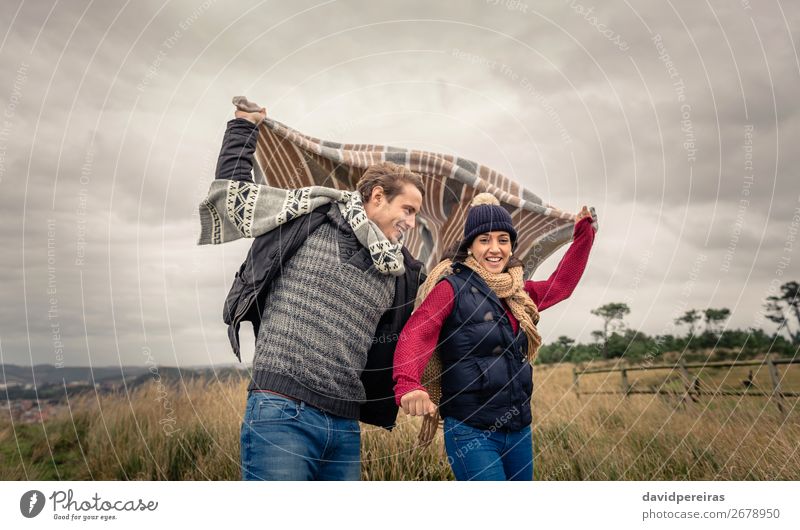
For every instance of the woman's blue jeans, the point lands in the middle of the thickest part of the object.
(283, 439)
(478, 454)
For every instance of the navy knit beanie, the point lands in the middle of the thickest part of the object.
(486, 215)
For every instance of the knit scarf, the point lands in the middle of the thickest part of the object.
(234, 209)
(509, 287)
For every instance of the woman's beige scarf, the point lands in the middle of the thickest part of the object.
(509, 287)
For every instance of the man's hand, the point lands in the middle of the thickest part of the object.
(249, 110)
(253, 117)
(417, 403)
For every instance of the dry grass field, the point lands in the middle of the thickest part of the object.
(191, 432)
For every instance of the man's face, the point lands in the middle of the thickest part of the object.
(397, 216)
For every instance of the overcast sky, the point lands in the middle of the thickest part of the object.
(678, 121)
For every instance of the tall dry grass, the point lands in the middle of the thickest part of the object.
(188, 431)
(647, 437)
(191, 432)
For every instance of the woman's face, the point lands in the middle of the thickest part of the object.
(492, 250)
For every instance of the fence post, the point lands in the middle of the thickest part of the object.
(625, 387)
(688, 382)
(575, 382)
(776, 385)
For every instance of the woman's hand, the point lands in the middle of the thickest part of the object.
(582, 214)
(417, 403)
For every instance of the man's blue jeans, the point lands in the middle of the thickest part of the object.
(478, 454)
(283, 439)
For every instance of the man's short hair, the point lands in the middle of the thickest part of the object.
(391, 177)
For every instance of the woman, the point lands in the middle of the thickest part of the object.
(481, 317)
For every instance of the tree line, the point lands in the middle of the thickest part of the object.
(705, 329)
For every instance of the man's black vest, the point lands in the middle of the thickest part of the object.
(487, 381)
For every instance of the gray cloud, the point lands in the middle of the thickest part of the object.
(116, 116)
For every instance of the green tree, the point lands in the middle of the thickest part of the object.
(691, 318)
(612, 315)
(565, 342)
(556, 352)
(714, 319)
(784, 307)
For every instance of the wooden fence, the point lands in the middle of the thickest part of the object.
(693, 387)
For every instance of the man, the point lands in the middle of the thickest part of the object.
(328, 293)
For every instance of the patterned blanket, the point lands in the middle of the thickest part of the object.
(286, 158)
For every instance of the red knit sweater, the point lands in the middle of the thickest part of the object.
(421, 333)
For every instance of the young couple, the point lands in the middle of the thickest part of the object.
(330, 287)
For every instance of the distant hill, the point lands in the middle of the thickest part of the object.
(169, 374)
(48, 374)
(46, 381)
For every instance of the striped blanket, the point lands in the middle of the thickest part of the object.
(286, 158)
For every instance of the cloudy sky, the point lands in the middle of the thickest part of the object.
(678, 121)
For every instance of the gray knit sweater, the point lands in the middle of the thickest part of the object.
(319, 320)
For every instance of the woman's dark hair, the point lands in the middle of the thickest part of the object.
(458, 252)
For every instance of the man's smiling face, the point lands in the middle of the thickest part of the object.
(397, 216)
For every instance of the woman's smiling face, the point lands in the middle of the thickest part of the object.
(492, 250)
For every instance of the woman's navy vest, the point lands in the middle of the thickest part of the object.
(487, 380)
